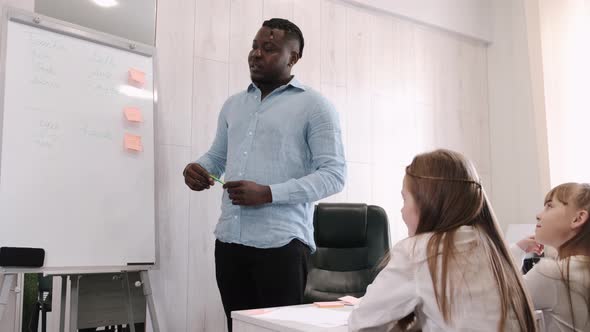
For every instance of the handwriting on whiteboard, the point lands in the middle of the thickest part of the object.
(47, 134)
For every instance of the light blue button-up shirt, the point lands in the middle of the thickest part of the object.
(290, 141)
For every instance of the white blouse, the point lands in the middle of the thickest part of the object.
(405, 286)
(549, 294)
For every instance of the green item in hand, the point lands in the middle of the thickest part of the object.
(216, 178)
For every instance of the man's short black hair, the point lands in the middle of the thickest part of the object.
(291, 30)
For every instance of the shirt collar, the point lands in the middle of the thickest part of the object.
(294, 82)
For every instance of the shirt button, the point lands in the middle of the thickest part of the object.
(249, 133)
(235, 217)
(240, 174)
(245, 153)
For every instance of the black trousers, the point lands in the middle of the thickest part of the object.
(250, 278)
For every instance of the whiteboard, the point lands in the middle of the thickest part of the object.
(68, 184)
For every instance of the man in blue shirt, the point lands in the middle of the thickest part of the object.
(279, 145)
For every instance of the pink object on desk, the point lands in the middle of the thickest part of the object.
(329, 304)
(257, 311)
(349, 300)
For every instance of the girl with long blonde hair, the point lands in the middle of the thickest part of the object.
(561, 287)
(454, 272)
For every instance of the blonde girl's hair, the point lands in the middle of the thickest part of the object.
(448, 194)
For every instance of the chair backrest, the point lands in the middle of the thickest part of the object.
(351, 240)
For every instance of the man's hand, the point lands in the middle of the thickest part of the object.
(196, 177)
(529, 244)
(248, 193)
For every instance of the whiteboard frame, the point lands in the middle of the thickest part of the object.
(93, 36)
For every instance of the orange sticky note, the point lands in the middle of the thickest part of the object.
(349, 300)
(136, 76)
(133, 142)
(329, 304)
(133, 114)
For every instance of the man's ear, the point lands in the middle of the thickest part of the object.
(581, 219)
(293, 58)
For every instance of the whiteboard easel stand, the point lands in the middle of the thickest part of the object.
(10, 275)
(74, 289)
(7, 283)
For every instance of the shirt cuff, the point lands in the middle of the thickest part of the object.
(280, 192)
(205, 164)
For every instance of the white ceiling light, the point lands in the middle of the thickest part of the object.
(106, 3)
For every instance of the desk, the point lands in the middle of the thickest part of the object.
(244, 322)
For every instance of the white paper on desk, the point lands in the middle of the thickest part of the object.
(322, 317)
(517, 232)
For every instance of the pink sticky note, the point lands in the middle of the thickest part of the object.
(349, 299)
(133, 114)
(136, 77)
(133, 142)
(329, 304)
(254, 312)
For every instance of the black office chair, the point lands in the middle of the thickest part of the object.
(351, 240)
